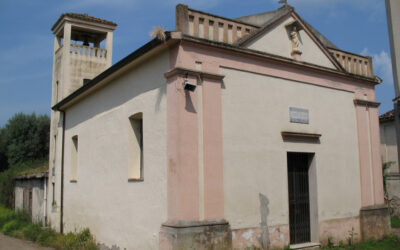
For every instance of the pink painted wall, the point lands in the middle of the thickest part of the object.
(182, 152)
(213, 163)
(376, 156)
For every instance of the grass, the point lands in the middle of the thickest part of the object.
(388, 243)
(17, 224)
(35, 168)
(395, 222)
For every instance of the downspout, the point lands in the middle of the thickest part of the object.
(45, 201)
(62, 176)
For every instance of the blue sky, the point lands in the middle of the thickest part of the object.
(26, 42)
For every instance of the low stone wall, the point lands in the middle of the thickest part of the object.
(197, 235)
(374, 222)
(337, 230)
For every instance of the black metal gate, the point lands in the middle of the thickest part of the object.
(299, 200)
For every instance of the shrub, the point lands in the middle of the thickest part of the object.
(80, 241)
(47, 237)
(5, 216)
(13, 225)
(395, 222)
(31, 232)
(17, 224)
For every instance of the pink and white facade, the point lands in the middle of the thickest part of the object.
(211, 167)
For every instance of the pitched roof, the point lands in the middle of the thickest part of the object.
(84, 17)
(388, 116)
(266, 18)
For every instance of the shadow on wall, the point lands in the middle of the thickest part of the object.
(264, 211)
(134, 82)
(189, 104)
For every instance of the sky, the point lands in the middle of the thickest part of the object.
(26, 43)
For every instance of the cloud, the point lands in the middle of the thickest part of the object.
(372, 9)
(76, 4)
(382, 65)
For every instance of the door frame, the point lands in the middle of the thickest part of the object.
(313, 194)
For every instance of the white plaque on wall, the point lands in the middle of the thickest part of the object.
(298, 115)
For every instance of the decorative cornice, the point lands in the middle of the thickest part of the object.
(366, 103)
(300, 136)
(197, 73)
(281, 59)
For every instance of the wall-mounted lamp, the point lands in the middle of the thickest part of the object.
(189, 86)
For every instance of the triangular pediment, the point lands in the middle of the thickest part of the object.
(287, 35)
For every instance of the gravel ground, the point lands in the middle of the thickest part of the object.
(9, 243)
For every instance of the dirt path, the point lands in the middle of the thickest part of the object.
(9, 243)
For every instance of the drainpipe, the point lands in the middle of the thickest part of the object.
(62, 176)
(45, 201)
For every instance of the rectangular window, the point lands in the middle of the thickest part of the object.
(74, 159)
(136, 148)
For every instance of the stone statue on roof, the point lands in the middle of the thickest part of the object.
(284, 2)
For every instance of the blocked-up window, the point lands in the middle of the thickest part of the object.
(74, 159)
(136, 147)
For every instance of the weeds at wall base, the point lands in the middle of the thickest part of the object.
(18, 224)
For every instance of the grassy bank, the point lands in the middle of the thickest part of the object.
(388, 243)
(18, 225)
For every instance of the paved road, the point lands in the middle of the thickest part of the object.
(9, 243)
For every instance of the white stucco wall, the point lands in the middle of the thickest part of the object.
(127, 214)
(255, 110)
(389, 146)
(276, 41)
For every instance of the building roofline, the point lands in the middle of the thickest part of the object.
(114, 68)
(156, 42)
(375, 80)
(32, 176)
(82, 17)
(221, 17)
(387, 117)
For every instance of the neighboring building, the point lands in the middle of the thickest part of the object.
(388, 141)
(226, 133)
(389, 153)
(30, 195)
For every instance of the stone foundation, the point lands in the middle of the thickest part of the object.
(339, 230)
(278, 237)
(197, 235)
(374, 222)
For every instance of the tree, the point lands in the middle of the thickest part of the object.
(26, 138)
(3, 150)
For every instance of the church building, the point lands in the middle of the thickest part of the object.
(224, 133)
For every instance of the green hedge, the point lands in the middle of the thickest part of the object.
(18, 224)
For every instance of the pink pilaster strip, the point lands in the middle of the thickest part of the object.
(213, 162)
(376, 156)
(364, 157)
(182, 151)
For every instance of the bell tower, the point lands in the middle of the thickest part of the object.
(82, 50)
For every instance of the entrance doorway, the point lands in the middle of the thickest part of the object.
(299, 197)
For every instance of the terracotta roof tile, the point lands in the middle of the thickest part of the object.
(388, 116)
(84, 17)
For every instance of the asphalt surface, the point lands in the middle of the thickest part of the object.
(9, 243)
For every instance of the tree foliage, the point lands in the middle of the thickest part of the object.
(25, 137)
(24, 144)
